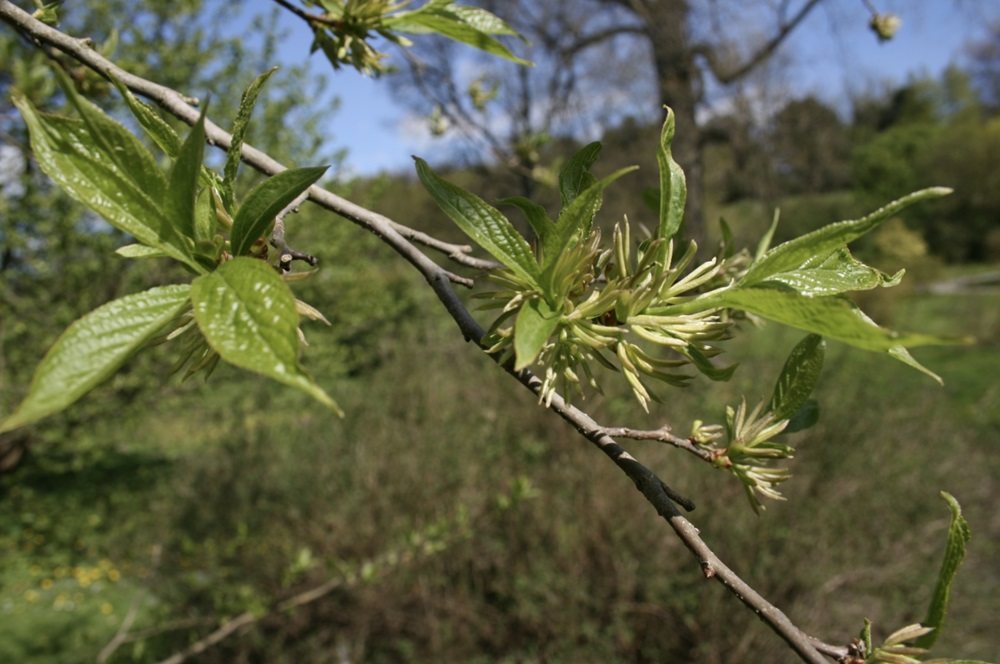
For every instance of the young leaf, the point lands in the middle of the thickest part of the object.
(533, 212)
(576, 219)
(958, 537)
(233, 155)
(100, 164)
(256, 216)
(246, 313)
(471, 27)
(575, 175)
(182, 189)
(834, 317)
(482, 222)
(139, 251)
(536, 321)
(155, 127)
(839, 272)
(792, 255)
(673, 186)
(798, 377)
(93, 348)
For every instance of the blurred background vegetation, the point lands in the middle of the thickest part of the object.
(462, 522)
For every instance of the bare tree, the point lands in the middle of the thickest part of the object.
(692, 47)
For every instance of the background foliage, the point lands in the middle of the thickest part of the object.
(184, 504)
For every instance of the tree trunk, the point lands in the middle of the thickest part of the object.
(679, 85)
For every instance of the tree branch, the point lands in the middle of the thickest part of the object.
(763, 53)
(647, 482)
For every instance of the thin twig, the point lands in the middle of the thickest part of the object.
(664, 436)
(310, 18)
(647, 482)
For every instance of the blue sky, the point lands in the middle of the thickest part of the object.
(835, 56)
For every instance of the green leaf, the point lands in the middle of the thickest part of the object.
(576, 219)
(839, 272)
(182, 189)
(804, 418)
(673, 187)
(205, 219)
(954, 552)
(536, 321)
(792, 255)
(533, 212)
(433, 18)
(256, 216)
(139, 251)
(482, 222)
(835, 317)
(247, 314)
(233, 155)
(575, 175)
(484, 21)
(765, 242)
(100, 164)
(798, 377)
(93, 348)
(155, 127)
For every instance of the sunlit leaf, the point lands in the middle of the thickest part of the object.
(536, 321)
(835, 317)
(155, 127)
(793, 254)
(139, 251)
(102, 165)
(247, 314)
(256, 216)
(93, 348)
(454, 25)
(839, 272)
(182, 188)
(240, 125)
(482, 222)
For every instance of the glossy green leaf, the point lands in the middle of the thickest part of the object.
(835, 317)
(793, 254)
(954, 553)
(240, 125)
(533, 212)
(182, 188)
(155, 127)
(100, 164)
(482, 222)
(256, 216)
(484, 21)
(453, 25)
(673, 186)
(575, 175)
(798, 377)
(247, 314)
(139, 251)
(536, 321)
(839, 272)
(93, 348)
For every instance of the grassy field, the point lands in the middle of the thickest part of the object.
(515, 541)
